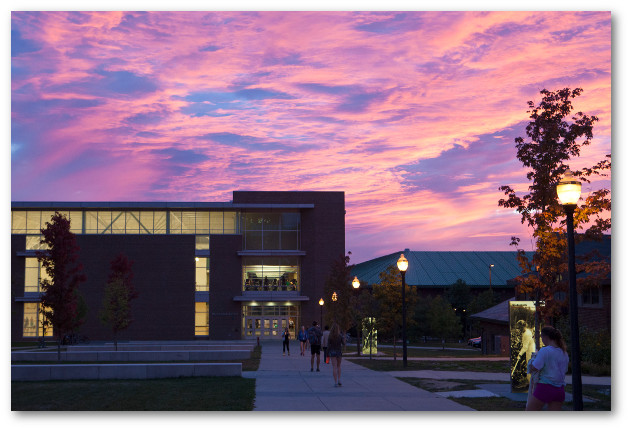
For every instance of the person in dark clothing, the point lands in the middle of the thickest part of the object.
(315, 339)
(285, 341)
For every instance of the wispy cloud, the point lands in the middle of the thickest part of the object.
(412, 114)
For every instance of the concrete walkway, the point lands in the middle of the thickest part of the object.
(285, 383)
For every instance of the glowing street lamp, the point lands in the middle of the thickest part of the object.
(356, 284)
(402, 264)
(569, 189)
(490, 274)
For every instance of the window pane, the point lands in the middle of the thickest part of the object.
(202, 222)
(176, 222)
(216, 222)
(33, 242)
(146, 222)
(290, 221)
(201, 319)
(253, 240)
(271, 240)
(159, 222)
(18, 222)
(202, 273)
(118, 222)
(253, 221)
(202, 242)
(104, 222)
(271, 221)
(31, 275)
(46, 217)
(29, 329)
(33, 219)
(289, 240)
(91, 222)
(188, 222)
(76, 222)
(132, 224)
(230, 221)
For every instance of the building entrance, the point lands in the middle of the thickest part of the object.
(268, 322)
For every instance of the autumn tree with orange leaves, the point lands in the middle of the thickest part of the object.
(555, 137)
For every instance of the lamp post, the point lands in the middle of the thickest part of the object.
(569, 190)
(321, 306)
(355, 285)
(334, 309)
(402, 264)
(490, 273)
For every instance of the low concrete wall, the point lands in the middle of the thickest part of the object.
(122, 371)
(184, 355)
(159, 347)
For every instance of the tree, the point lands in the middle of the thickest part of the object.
(119, 292)
(339, 283)
(59, 304)
(553, 142)
(388, 294)
(459, 296)
(443, 321)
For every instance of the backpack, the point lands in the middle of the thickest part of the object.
(314, 335)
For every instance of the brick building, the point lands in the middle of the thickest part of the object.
(225, 270)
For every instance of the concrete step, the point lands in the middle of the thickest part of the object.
(183, 355)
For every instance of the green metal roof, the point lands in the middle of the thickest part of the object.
(444, 268)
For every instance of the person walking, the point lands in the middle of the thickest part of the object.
(552, 362)
(325, 343)
(285, 340)
(315, 339)
(336, 340)
(302, 337)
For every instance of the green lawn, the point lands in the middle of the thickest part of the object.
(180, 394)
(463, 366)
(177, 394)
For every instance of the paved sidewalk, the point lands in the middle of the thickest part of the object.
(285, 383)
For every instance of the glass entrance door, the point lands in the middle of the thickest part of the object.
(268, 327)
(269, 321)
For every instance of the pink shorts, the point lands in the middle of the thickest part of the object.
(548, 393)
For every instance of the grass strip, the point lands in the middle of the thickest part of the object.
(228, 393)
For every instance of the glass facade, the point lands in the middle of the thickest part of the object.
(271, 231)
(202, 222)
(271, 274)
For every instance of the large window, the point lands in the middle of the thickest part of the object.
(201, 319)
(34, 274)
(202, 274)
(201, 222)
(271, 274)
(31, 222)
(271, 231)
(33, 322)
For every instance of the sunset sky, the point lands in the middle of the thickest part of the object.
(412, 114)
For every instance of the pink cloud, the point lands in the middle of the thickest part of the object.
(355, 101)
